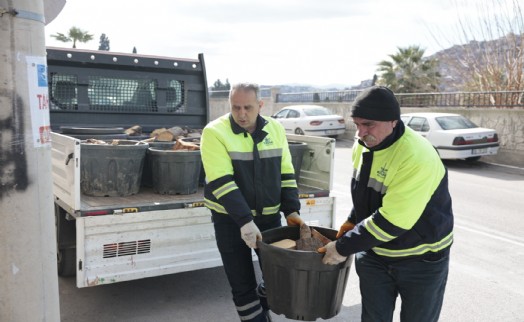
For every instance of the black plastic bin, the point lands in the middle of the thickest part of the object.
(297, 154)
(175, 171)
(298, 285)
(112, 170)
(147, 175)
(98, 133)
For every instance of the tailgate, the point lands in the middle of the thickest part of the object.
(65, 155)
(317, 163)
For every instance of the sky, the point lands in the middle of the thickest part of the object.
(271, 42)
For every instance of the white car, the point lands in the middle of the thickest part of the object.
(453, 135)
(310, 120)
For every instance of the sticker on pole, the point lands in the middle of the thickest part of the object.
(38, 100)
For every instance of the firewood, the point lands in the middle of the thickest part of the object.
(182, 145)
(316, 234)
(165, 136)
(134, 130)
(306, 241)
(95, 141)
(156, 132)
(285, 243)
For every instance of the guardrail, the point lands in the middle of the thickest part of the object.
(264, 93)
(500, 99)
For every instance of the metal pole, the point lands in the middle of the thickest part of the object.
(28, 274)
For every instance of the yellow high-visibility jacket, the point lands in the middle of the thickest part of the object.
(401, 201)
(248, 174)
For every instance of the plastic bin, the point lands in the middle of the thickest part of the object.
(298, 285)
(147, 175)
(175, 171)
(102, 133)
(297, 153)
(112, 170)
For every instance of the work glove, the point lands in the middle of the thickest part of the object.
(250, 234)
(331, 257)
(293, 219)
(347, 226)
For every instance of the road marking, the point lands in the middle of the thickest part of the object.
(491, 234)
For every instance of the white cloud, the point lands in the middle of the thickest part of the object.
(270, 42)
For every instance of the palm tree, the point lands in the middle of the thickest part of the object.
(75, 34)
(409, 71)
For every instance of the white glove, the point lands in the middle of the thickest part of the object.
(293, 219)
(332, 257)
(250, 234)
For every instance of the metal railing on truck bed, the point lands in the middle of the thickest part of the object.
(104, 89)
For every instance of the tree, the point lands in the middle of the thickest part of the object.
(491, 57)
(104, 42)
(134, 50)
(74, 34)
(409, 71)
(220, 89)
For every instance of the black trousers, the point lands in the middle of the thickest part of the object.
(249, 298)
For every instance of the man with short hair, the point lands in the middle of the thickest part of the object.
(401, 224)
(249, 181)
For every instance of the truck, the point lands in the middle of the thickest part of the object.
(109, 239)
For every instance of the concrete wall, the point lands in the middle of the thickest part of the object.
(509, 123)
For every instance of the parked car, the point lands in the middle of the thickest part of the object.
(453, 135)
(310, 120)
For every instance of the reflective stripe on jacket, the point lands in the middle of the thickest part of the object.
(248, 174)
(401, 201)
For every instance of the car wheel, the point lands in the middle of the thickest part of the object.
(472, 159)
(299, 131)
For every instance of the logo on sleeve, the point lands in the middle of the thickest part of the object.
(382, 172)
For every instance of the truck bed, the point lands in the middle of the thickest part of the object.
(315, 181)
(147, 200)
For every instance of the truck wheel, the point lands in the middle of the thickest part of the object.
(66, 260)
(65, 243)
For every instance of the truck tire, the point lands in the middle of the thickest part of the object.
(66, 261)
(65, 243)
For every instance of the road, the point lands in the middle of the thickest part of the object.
(486, 280)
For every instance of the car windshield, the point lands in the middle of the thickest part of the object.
(316, 111)
(455, 122)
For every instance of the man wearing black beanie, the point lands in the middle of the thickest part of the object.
(401, 224)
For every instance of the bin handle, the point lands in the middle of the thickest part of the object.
(69, 157)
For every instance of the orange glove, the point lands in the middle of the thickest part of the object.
(347, 226)
(293, 219)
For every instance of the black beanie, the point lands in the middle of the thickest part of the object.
(376, 103)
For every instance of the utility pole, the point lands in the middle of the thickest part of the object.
(28, 274)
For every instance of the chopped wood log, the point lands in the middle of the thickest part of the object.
(189, 146)
(165, 136)
(316, 234)
(95, 141)
(285, 243)
(148, 140)
(306, 241)
(134, 130)
(155, 132)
